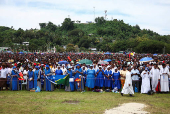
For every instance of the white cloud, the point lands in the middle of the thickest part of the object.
(28, 14)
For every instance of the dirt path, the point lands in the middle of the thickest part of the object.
(128, 108)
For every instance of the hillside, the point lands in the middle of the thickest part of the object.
(113, 35)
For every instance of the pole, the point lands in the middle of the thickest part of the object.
(94, 14)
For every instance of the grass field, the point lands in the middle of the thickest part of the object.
(60, 101)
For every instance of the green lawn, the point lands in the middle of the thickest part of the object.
(87, 102)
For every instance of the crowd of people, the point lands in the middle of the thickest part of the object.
(123, 73)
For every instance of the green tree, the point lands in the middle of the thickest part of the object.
(67, 24)
(100, 20)
(70, 48)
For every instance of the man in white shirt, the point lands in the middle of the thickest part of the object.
(135, 77)
(164, 81)
(64, 69)
(3, 77)
(155, 74)
(128, 88)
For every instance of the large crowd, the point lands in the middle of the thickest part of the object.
(122, 73)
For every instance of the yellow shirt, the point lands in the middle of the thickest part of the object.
(122, 72)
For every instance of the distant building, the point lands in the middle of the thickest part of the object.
(25, 43)
(17, 44)
(4, 48)
(93, 49)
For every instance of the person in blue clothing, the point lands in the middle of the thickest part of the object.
(78, 71)
(116, 79)
(90, 79)
(58, 71)
(71, 80)
(48, 86)
(100, 78)
(108, 75)
(37, 76)
(30, 82)
(14, 83)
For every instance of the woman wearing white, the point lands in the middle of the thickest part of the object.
(145, 87)
(128, 88)
(164, 81)
(64, 69)
(54, 69)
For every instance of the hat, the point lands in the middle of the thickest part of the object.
(108, 66)
(100, 66)
(30, 67)
(14, 67)
(37, 67)
(69, 67)
(34, 63)
(78, 65)
(91, 65)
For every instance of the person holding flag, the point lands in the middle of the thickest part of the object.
(48, 86)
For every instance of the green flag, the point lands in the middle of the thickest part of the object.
(64, 81)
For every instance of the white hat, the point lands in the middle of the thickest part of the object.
(63, 64)
(115, 67)
(108, 66)
(69, 67)
(91, 65)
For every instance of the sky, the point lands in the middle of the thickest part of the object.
(27, 14)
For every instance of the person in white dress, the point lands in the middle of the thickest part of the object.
(64, 69)
(54, 68)
(164, 81)
(145, 87)
(128, 88)
(154, 74)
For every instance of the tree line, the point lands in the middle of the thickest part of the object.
(113, 35)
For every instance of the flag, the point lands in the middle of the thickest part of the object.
(59, 79)
(64, 81)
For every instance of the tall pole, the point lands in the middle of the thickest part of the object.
(94, 14)
(105, 14)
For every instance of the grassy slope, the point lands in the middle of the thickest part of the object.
(90, 102)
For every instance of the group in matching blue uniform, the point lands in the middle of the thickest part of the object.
(103, 78)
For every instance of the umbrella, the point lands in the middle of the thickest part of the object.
(103, 62)
(63, 62)
(155, 54)
(86, 61)
(107, 53)
(21, 53)
(108, 60)
(146, 59)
